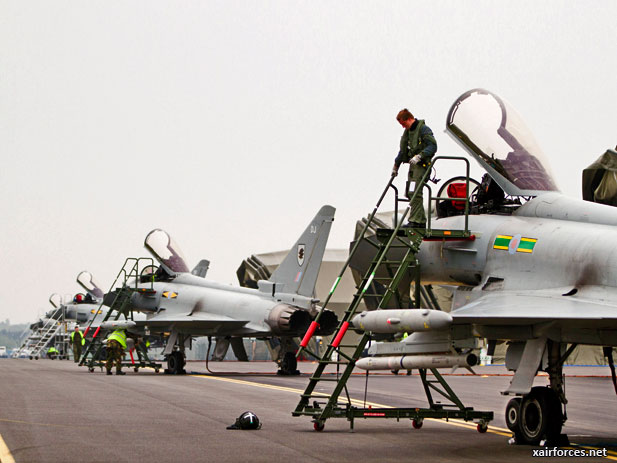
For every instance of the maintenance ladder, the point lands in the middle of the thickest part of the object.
(128, 278)
(47, 334)
(405, 243)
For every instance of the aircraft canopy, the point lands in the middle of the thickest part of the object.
(496, 136)
(166, 251)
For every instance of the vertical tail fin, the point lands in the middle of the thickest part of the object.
(298, 271)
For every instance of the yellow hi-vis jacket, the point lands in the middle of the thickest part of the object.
(83, 341)
(120, 336)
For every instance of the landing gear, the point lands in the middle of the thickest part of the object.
(318, 426)
(535, 416)
(513, 410)
(289, 365)
(417, 423)
(175, 363)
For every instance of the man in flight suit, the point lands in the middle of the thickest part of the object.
(418, 145)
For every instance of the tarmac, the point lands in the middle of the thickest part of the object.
(54, 411)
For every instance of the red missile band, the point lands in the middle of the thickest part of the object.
(309, 334)
(132, 359)
(86, 332)
(341, 333)
(96, 332)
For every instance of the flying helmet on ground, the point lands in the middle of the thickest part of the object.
(248, 420)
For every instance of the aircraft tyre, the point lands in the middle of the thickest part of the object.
(513, 410)
(540, 417)
(175, 363)
(289, 365)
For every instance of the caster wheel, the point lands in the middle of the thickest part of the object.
(135, 369)
(482, 428)
(91, 370)
(318, 426)
(417, 424)
(156, 370)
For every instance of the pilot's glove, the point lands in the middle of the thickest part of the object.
(415, 160)
(395, 171)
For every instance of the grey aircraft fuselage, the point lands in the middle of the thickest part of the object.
(572, 266)
(210, 304)
(185, 304)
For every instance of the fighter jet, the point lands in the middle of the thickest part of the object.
(184, 304)
(538, 272)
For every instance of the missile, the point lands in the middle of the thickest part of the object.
(118, 325)
(402, 320)
(407, 362)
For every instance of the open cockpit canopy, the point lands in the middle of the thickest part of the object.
(166, 251)
(496, 136)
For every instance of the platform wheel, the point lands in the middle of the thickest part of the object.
(136, 369)
(482, 427)
(417, 423)
(318, 426)
(156, 370)
(91, 370)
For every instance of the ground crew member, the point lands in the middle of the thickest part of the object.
(52, 353)
(77, 340)
(116, 343)
(418, 145)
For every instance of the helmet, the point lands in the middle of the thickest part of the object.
(248, 420)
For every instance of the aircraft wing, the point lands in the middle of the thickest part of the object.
(200, 321)
(593, 305)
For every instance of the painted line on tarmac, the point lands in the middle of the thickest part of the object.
(5, 453)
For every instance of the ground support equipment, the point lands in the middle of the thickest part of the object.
(119, 297)
(395, 258)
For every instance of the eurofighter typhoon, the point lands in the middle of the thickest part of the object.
(540, 273)
(185, 305)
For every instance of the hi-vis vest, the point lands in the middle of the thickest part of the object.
(83, 341)
(120, 336)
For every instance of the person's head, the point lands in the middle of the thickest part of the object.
(405, 118)
(76, 327)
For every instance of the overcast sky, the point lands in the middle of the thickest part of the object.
(230, 123)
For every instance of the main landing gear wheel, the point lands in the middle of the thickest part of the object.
(539, 416)
(289, 365)
(318, 426)
(513, 410)
(417, 423)
(175, 363)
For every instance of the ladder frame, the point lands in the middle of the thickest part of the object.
(120, 305)
(399, 237)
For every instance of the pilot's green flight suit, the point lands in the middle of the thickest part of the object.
(418, 139)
